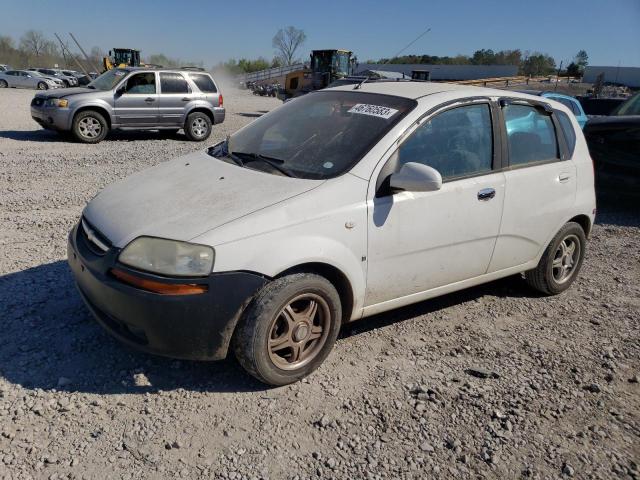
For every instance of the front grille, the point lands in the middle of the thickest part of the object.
(36, 102)
(94, 239)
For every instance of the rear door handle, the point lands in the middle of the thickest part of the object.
(149, 99)
(185, 99)
(486, 194)
(564, 177)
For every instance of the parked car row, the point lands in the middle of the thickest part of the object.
(41, 78)
(29, 79)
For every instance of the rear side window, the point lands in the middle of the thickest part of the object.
(567, 129)
(173, 83)
(203, 82)
(531, 135)
(456, 142)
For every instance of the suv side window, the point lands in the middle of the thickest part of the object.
(457, 142)
(203, 82)
(144, 83)
(173, 83)
(531, 135)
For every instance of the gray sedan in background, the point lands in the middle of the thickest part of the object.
(28, 79)
(67, 80)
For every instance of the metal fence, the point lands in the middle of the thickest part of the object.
(269, 73)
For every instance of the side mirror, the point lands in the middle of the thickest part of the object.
(416, 177)
(120, 91)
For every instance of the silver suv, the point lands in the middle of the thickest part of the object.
(134, 98)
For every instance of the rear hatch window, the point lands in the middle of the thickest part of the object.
(203, 82)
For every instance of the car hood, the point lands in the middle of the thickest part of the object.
(186, 197)
(66, 92)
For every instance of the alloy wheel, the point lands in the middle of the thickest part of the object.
(199, 127)
(89, 127)
(299, 331)
(566, 258)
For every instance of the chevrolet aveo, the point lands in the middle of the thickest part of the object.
(335, 206)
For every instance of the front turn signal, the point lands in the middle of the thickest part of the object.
(159, 287)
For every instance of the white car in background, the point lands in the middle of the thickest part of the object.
(28, 79)
(336, 206)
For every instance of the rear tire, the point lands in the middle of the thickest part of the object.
(42, 86)
(197, 128)
(289, 328)
(561, 261)
(89, 127)
(3, 84)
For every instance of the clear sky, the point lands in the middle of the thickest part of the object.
(213, 31)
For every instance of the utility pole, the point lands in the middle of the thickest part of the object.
(64, 47)
(558, 76)
(96, 69)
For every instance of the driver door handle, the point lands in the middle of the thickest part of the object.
(149, 99)
(564, 177)
(486, 194)
(185, 99)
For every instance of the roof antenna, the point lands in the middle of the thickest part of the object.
(411, 43)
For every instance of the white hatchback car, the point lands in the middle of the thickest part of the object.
(335, 206)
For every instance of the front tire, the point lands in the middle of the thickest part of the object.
(289, 328)
(3, 84)
(42, 86)
(561, 261)
(89, 127)
(197, 127)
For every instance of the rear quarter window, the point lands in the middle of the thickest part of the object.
(568, 131)
(203, 82)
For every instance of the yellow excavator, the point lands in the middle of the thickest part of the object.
(121, 57)
(325, 66)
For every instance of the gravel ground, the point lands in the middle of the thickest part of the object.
(492, 382)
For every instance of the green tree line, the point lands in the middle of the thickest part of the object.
(528, 63)
(34, 49)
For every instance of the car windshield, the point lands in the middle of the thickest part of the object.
(629, 107)
(108, 79)
(317, 136)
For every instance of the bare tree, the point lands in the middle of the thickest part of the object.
(287, 42)
(34, 42)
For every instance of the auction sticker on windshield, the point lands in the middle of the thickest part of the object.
(373, 110)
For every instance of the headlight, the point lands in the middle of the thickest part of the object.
(168, 257)
(58, 102)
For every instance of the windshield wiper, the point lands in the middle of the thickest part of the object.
(275, 163)
(223, 149)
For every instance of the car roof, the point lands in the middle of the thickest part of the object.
(165, 69)
(418, 89)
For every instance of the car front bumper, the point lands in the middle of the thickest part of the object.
(53, 118)
(193, 327)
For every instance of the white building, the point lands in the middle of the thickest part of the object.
(445, 72)
(629, 76)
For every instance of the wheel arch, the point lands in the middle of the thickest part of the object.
(96, 108)
(337, 278)
(204, 110)
(584, 221)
